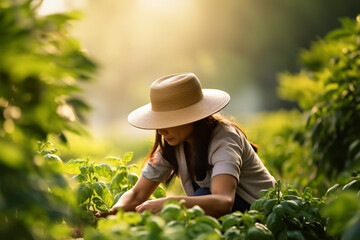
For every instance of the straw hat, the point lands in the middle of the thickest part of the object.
(176, 100)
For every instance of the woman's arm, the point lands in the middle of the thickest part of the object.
(220, 202)
(135, 196)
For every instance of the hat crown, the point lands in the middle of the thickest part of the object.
(175, 92)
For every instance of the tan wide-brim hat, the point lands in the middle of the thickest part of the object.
(176, 100)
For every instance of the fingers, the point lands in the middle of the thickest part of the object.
(99, 214)
(153, 206)
(139, 208)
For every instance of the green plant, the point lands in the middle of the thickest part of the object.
(289, 213)
(173, 222)
(327, 89)
(277, 214)
(100, 185)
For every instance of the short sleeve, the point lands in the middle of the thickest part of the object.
(157, 169)
(225, 155)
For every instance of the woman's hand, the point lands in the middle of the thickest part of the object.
(99, 214)
(154, 206)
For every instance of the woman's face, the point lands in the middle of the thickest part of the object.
(176, 135)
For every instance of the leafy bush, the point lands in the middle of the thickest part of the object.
(286, 159)
(289, 213)
(39, 68)
(328, 90)
(99, 186)
(277, 214)
(319, 144)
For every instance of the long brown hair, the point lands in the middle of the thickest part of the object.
(203, 130)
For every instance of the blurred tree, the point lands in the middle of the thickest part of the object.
(39, 68)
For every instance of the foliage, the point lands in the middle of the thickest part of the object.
(290, 213)
(319, 144)
(100, 186)
(277, 214)
(177, 222)
(328, 89)
(342, 208)
(174, 222)
(39, 67)
(285, 158)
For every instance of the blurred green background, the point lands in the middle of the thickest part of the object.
(237, 46)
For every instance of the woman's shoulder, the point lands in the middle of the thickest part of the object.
(225, 129)
(227, 133)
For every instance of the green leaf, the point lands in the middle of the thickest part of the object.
(258, 204)
(155, 224)
(295, 235)
(259, 231)
(292, 191)
(54, 161)
(132, 179)
(309, 218)
(133, 218)
(170, 212)
(264, 193)
(112, 159)
(159, 192)
(127, 157)
(293, 223)
(122, 168)
(100, 204)
(269, 204)
(275, 223)
(229, 222)
(209, 220)
(119, 180)
(234, 234)
(194, 212)
(79, 178)
(103, 170)
(292, 197)
(72, 166)
(196, 228)
(84, 192)
(248, 219)
(279, 210)
(102, 191)
(290, 206)
(307, 195)
(117, 197)
(352, 186)
(333, 190)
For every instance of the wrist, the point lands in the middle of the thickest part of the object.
(113, 210)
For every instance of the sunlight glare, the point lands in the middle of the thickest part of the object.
(162, 5)
(51, 6)
(59, 6)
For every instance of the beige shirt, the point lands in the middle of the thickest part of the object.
(229, 153)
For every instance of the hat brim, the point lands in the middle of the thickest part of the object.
(213, 101)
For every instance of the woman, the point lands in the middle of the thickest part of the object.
(218, 167)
